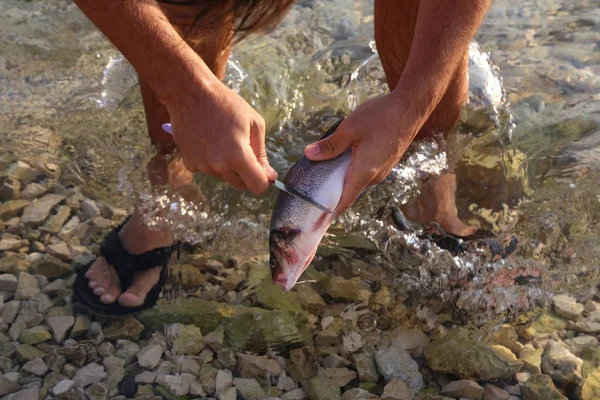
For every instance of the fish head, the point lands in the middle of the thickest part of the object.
(290, 255)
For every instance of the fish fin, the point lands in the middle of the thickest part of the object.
(332, 129)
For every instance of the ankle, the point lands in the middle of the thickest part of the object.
(137, 238)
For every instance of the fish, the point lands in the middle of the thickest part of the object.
(297, 227)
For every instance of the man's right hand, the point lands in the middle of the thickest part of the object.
(220, 134)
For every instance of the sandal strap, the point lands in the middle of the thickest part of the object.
(125, 263)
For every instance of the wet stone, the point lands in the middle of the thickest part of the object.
(560, 364)
(226, 358)
(567, 307)
(63, 387)
(31, 393)
(126, 350)
(179, 384)
(394, 363)
(321, 388)
(188, 366)
(365, 365)
(397, 390)
(8, 283)
(128, 328)
(335, 361)
(463, 388)
(207, 378)
(303, 363)
(339, 376)
(223, 380)
(492, 392)
(580, 343)
(296, 394)
(507, 336)
(90, 208)
(249, 389)
(215, 339)
(360, 394)
(252, 366)
(532, 359)
(540, 387)
(12, 208)
(352, 342)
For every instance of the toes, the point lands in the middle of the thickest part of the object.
(111, 292)
(143, 282)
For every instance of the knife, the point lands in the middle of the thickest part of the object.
(278, 184)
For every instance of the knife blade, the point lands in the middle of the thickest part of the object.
(283, 187)
(277, 183)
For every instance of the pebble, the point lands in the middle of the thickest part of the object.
(33, 191)
(63, 387)
(89, 374)
(146, 377)
(179, 384)
(296, 394)
(491, 392)
(567, 307)
(60, 326)
(352, 342)
(397, 390)
(8, 283)
(197, 390)
(339, 376)
(90, 208)
(37, 212)
(31, 393)
(395, 363)
(60, 250)
(560, 364)
(36, 367)
(188, 366)
(27, 287)
(7, 386)
(253, 366)
(56, 222)
(98, 391)
(128, 386)
(127, 350)
(463, 388)
(365, 366)
(249, 389)
(149, 357)
(10, 244)
(223, 380)
(580, 343)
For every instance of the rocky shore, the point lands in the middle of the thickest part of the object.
(224, 331)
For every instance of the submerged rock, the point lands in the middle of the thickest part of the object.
(457, 353)
(189, 340)
(540, 387)
(567, 307)
(561, 364)
(321, 388)
(463, 388)
(395, 363)
(244, 327)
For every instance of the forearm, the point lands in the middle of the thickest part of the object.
(443, 32)
(142, 33)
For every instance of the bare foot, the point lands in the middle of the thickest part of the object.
(437, 203)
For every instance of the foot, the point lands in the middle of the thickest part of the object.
(437, 203)
(103, 278)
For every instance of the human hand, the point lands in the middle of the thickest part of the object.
(379, 132)
(219, 134)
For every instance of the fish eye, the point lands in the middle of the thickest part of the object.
(272, 263)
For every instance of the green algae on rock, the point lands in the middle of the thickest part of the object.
(457, 353)
(540, 387)
(189, 340)
(246, 328)
(590, 389)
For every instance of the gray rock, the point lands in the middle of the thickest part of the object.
(359, 394)
(567, 307)
(149, 356)
(339, 376)
(22, 171)
(12, 376)
(580, 343)
(560, 364)
(36, 367)
(27, 287)
(10, 189)
(82, 325)
(146, 378)
(229, 394)
(8, 283)
(35, 335)
(114, 376)
(464, 388)
(49, 266)
(296, 394)
(321, 388)
(112, 362)
(90, 208)
(365, 365)
(33, 191)
(89, 374)
(68, 229)
(63, 387)
(207, 378)
(249, 389)
(60, 250)
(179, 384)
(31, 393)
(5, 364)
(16, 329)
(37, 212)
(252, 366)
(187, 365)
(397, 390)
(56, 222)
(223, 380)
(106, 349)
(56, 362)
(492, 392)
(10, 310)
(197, 390)
(60, 326)
(7, 386)
(335, 361)
(98, 391)
(394, 363)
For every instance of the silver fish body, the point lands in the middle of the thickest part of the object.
(297, 227)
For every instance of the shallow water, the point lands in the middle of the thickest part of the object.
(526, 154)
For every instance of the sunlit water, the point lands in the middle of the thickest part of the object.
(526, 153)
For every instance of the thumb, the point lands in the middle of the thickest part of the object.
(330, 147)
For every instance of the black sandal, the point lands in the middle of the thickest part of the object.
(455, 244)
(126, 265)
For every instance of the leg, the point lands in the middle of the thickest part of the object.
(214, 48)
(394, 31)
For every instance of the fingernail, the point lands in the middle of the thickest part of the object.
(99, 291)
(167, 128)
(313, 150)
(271, 173)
